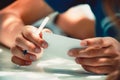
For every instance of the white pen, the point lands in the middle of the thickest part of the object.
(42, 25)
(37, 32)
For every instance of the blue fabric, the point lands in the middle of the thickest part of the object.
(97, 8)
(5, 3)
(62, 5)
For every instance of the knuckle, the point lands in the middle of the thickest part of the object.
(18, 39)
(100, 41)
(90, 53)
(111, 40)
(28, 34)
(111, 52)
(31, 47)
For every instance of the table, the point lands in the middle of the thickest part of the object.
(49, 67)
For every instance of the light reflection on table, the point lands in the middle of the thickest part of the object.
(47, 68)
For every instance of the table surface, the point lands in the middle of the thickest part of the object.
(49, 67)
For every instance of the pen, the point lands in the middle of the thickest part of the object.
(42, 25)
(39, 30)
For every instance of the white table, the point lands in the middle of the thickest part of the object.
(47, 68)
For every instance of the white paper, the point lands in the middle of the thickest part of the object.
(60, 45)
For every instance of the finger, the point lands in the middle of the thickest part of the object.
(16, 51)
(91, 53)
(86, 53)
(115, 75)
(74, 52)
(99, 69)
(30, 35)
(25, 44)
(95, 61)
(103, 52)
(20, 61)
(109, 41)
(92, 42)
(99, 42)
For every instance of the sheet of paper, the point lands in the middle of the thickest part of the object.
(26, 76)
(60, 45)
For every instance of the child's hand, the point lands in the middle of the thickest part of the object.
(99, 56)
(33, 43)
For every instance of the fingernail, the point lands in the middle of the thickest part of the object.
(70, 53)
(83, 43)
(44, 45)
(27, 63)
(32, 58)
(37, 50)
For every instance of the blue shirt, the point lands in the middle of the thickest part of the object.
(5, 3)
(103, 24)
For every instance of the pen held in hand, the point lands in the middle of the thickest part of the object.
(42, 25)
(38, 31)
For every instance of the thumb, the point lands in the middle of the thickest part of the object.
(47, 30)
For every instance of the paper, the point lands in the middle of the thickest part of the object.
(26, 76)
(60, 45)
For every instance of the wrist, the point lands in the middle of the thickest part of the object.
(10, 25)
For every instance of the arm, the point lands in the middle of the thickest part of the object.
(77, 22)
(13, 18)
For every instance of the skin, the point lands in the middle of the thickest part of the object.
(14, 17)
(100, 55)
(21, 37)
(28, 40)
(115, 75)
(27, 36)
(74, 22)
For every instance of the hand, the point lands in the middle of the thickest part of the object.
(100, 55)
(115, 75)
(28, 40)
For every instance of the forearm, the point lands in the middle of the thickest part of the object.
(77, 22)
(80, 29)
(13, 18)
(29, 10)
